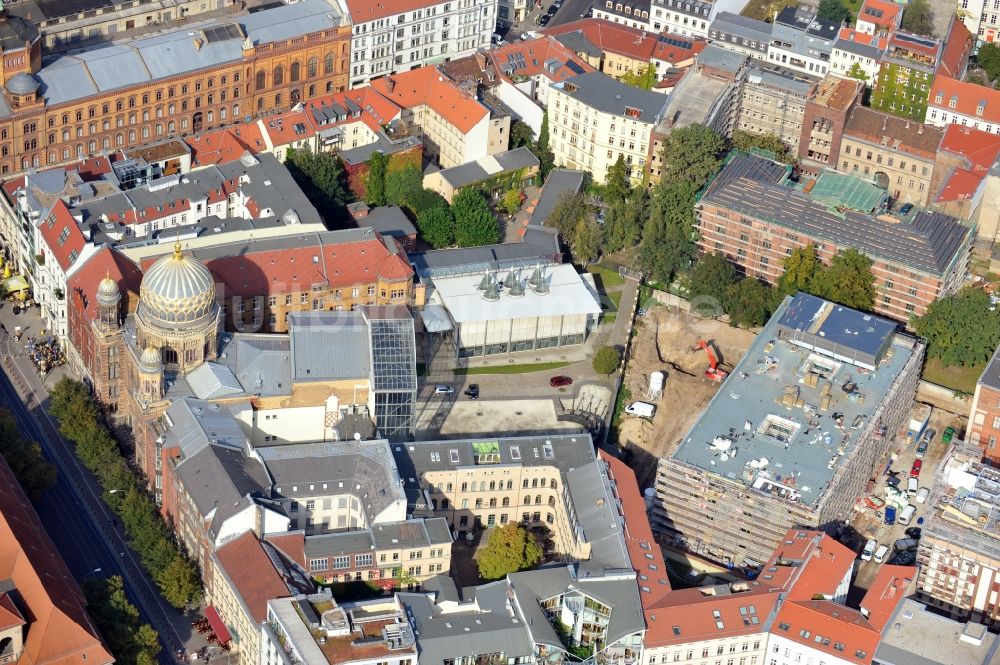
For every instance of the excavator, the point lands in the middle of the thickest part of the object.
(713, 371)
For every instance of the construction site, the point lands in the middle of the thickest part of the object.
(793, 434)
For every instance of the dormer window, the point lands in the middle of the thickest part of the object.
(953, 102)
(628, 10)
(939, 97)
(981, 107)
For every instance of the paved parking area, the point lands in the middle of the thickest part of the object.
(451, 417)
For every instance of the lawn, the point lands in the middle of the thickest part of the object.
(957, 378)
(511, 369)
(605, 276)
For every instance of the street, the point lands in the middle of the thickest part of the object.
(76, 519)
(572, 10)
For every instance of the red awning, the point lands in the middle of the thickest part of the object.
(215, 621)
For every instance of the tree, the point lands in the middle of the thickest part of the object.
(711, 277)
(606, 360)
(25, 459)
(541, 148)
(748, 303)
(567, 212)
(668, 235)
(132, 641)
(918, 17)
(989, 59)
(521, 134)
(847, 281)
(692, 154)
(960, 329)
(833, 10)
(475, 224)
(323, 181)
(644, 77)
(585, 243)
(426, 199)
(179, 581)
(437, 227)
(617, 182)
(378, 166)
(746, 141)
(856, 72)
(402, 185)
(623, 222)
(801, 268)
(508, 549)
(512, 201)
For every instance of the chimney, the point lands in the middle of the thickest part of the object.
(197, 43)
(390, 84)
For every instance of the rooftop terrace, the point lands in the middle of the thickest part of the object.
(799, 400)
(966, 502)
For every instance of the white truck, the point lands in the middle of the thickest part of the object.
(641, 409)
(919, 415)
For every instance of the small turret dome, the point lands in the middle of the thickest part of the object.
(22, 84)
(150, 361)
(107, 292)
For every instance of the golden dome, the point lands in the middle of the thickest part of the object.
(150, 361)
(107, 291)
(177, 292)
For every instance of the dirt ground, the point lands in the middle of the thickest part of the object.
(663, 341)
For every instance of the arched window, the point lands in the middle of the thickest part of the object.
(131, 136)
(171, 127)
(279, 76)
(91, 147)
(119, 139)
(312, 91)
(65, 135)
(236, 111)
(132, 117)
(312, 67)
(159, 129)
(328, 64)
(145, 132)
(79, 148)
(92, 128)
(52, 157)
(223, 113)
(106, 125)
(65, 153)
(261, 80)
(260, 104)
(277, 100)
(295, 72)
(106, 143)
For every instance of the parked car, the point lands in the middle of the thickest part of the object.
(442, 389)
(472, 392)
(923, 494)
(892, 481)
(890, 515)
(915, 471)
(905, 210)
(928, 436)
(905, 558)
(921, 448)
(907, 514)
(869, 550)
(949, 434)
(880, 553)
(912, 486)
(560, 381)
(552, 9)
(913, 532)
(544, 20)
(525, 36)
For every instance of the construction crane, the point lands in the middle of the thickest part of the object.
(712, 371)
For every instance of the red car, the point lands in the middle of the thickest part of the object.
(915, 471)
(560, 381)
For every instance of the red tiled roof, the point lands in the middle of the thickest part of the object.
(842, 632)
(632, 42)
(10, 616)
(687, 615)
(289, 126)
(881, 13)
(535, 53)
(851, 35)
(363, 11)
(810, 562)
(83, 284)
(251, 574)
(967, 96)
(643, 550)
(60, 630)
(886, 590)
(918, 44)
(981, 149)
(957, 48)
(225, 145)
(376, 110)
(426, 85)
(291, 544)
(63, 237)
(961, 185)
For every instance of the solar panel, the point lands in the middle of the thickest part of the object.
(223, 33)
(672, 41)
(575, 68)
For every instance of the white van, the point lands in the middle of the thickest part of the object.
(880, 553)
(869, 550)
(907, 514)
(912, 485)
(641, 409)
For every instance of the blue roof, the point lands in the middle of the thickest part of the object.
(843, 326)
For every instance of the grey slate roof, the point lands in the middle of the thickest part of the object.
(539, 246)
(603, 93)
(389, 221)
(518, 158)
(559, 182)
(464, 174)
(72, 77)
(364, 469)
(742, 26)
(328, 345)
(578, 43)
(259, 362)
(384, 144)
(991, 375)
(766, 77)
(384, 536)
(929, 241)
(718, 57)
(858, 48)
(212, 380)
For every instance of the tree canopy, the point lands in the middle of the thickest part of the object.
(402, 185)
(25, 458)
(475, 224)
(378, 168)
(323, 181)
(711, 276)
(437, 227)
(801, 268)
(749, 303)
(833, 10)
(960, 329)
(644, 77)
(509, 548)
(746, 141)
(989, 59)
(623, 221)
(521, 134)
(131, 640)
(606, 360)
(668, 234)
(617, 183)
(918, 17)
(541, 149)
(847, 281)
(691, 154)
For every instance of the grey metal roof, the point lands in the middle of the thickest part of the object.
(991, 374)
(211, 380)
(389, 221)
(599, 514)
(928, 241)
(858, 48)
(578, 43)
(364, 469)
(718, 57)
(75, 76)
(259, 362)
(750, 400)
(769, 78)
(539, 246)
(837, 329)
(328, 345)
(742, 26)
(518, 158)
(464, 174)
(338, 544)
(559, 182)
(384, 144)
(599, 91)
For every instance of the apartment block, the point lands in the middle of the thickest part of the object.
(965, 178)
(824, 120)
(774, 102)
(984, 416)
(790, 439)
(952, 101)
(741, 34)
(802, 41)
(594, 120)
(897, 154)
(390, 38)
(858, 55)
(959, 554)
(753, 216)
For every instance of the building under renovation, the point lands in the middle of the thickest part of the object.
(959, 555)
(793, 435)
